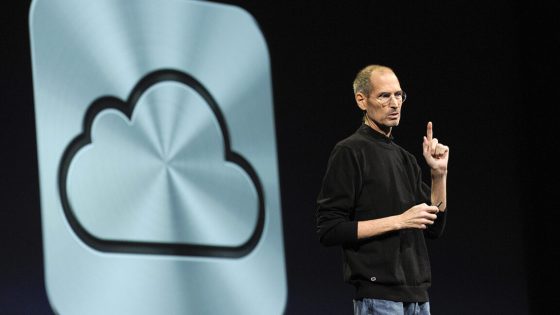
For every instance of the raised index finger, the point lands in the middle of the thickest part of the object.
(429, 131)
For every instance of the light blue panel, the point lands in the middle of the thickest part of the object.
(161, 196)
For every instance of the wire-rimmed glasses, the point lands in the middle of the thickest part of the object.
(385, 97)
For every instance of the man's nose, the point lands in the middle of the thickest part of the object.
(393, 101)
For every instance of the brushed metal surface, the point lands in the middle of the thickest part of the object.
(157, 158)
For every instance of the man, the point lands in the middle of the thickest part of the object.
(375, 205)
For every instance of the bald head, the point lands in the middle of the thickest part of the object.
(362, 82)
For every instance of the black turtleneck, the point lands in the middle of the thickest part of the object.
(369, 177)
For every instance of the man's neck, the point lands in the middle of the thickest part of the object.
(383, 130)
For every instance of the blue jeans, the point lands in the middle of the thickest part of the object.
(385, 307)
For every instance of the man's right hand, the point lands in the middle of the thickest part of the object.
(418, 217)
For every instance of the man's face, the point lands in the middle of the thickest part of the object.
(382, 105)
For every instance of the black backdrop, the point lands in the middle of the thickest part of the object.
(483, 72)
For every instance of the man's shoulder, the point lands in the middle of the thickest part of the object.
(353, 141)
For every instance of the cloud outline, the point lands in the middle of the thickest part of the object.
(127, 108)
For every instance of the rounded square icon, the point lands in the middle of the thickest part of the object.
(157, 158)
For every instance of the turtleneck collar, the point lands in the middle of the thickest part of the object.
(374, 134)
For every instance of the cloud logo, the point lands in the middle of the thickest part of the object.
(155, 174)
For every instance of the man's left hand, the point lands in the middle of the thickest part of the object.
(435, 153)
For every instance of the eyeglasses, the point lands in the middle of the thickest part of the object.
(385, 97)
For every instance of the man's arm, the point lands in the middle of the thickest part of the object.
(336, 199)
(437, 157)
(439, 192)
(420, 216)
(417, 217)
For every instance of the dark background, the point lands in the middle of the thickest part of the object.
(483, 72)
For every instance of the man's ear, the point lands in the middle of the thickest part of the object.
(361, 100)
